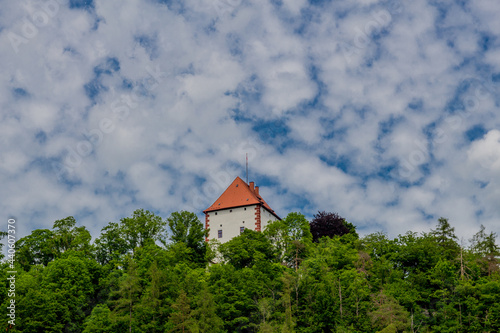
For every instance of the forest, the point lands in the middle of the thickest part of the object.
(150, 274)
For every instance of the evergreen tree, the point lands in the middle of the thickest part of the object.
(128, 296)
(181, 316)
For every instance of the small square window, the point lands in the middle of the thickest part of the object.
(245, 208)
(230, 210)
(215, 213)
(243, 221)
(221, 225)
(220, 233)
(242, 229)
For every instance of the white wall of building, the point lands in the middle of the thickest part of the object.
(230, 221)
(265, 217)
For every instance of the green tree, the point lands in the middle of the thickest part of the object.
(99, 321)
(129, 293)
(149, 309)
(246, 249)
(186, 228)
(57, 298)
(484, 246)
(389, 315)
(291, 237)
(286, 298)
(181, 316)
(36, 249)
(444, 235)
(67, 236)
(43, 245)
(205, 318)
(111, 245)
(142, 228)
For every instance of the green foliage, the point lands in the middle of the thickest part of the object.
(111, 245)
(99, 320)
(388, 315)
(446, 239)
(143, 227)
(486, 251)
(35, 249)
(291, 238)
(67, 236)
(246, 249)
(185, 227)
(43, 245)
(275, 281)
(181, 316)
(205, 318)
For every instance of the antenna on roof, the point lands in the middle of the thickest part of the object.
(247, 168)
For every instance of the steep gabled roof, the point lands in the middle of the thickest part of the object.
(239, 194)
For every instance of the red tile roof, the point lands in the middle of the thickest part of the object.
(239, 194)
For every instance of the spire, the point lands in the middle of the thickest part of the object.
(247, 167)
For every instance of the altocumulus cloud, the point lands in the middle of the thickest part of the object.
(383, 111)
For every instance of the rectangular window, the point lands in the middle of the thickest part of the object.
(242, 229)
(220, 233)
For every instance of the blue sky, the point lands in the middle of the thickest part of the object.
(386, 112)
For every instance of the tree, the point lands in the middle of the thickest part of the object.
(43, 245)
(246, 249)
(35, 249)
(152, 305)
(129, 293)
(143, 227)
(286, 298)
(484, 245)
(187, 228)
(290, 237)
(57, 298)
(444, 235)
(67, 236)
(205, 318)
(99, 321)
(111, 244)
(388, 315)
(181, 317)
(329, 225)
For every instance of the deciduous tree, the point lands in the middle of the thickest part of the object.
(329, 225)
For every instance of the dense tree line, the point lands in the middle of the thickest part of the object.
(147, 274)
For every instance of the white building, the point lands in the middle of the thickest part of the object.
(238, 208)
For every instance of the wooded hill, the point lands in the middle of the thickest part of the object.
(147, 274)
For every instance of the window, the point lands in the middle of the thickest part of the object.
(215, 213)
(230, 210)
(242, 229)
(243, 222)
(245, 208)
(220, 233)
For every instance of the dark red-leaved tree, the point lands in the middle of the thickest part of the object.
(330, 225)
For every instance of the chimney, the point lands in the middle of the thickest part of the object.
(251, 186)
(257, 190)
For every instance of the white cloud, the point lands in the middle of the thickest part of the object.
(353, 117)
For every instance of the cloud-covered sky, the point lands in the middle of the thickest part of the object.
(386, 112)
